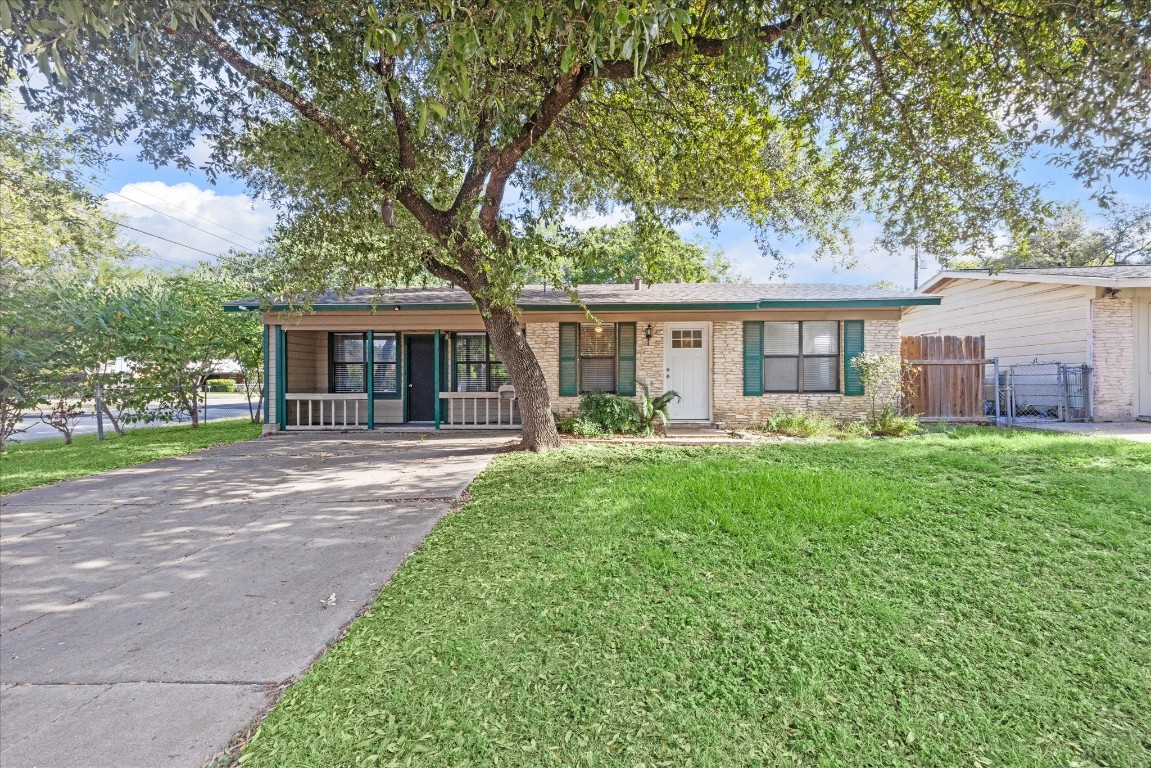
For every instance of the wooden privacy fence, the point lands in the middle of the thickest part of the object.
(943, 378)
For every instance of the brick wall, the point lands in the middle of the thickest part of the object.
(544, 341)
(1113, 358)
(729, 406)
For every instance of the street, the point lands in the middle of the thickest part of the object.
(222, 405)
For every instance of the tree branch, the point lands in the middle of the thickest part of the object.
(501, 164)
(429, 217)
(698, 45)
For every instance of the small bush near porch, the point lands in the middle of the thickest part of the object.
(972, 599)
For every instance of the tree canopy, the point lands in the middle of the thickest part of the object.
(1070, 239)
(447, 136)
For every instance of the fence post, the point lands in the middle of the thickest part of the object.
(98, 396)
(998, 385)
(1088, 392)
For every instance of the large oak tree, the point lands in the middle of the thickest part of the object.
(439, 135)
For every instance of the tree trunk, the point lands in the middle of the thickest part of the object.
(116, 425)
(511, 345)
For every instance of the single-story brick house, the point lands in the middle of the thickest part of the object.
(735, 353)
(1100, 316)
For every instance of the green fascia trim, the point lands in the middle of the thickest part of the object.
(738, 306)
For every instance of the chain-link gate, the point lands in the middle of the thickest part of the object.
(1031, 392)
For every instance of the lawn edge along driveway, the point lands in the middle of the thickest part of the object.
(179, 596)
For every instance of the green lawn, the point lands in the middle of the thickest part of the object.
(39, 462)
(973, 599)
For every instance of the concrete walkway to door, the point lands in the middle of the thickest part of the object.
(150, 613)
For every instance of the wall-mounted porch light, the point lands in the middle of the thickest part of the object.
(647, 332)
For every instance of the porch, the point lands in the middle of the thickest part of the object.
(441, 379)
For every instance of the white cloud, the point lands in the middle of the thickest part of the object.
(203, 222)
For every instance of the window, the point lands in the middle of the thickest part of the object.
(801, 356)
(349, 366)
(385, 369)
(477, 370)
(689, 339)
(597, 357)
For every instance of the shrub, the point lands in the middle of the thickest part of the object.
(654, 409)
(880, 375)
(221, 385)
(799, 423)
(611, 413)
(574, 424)
(890, 423)
(856, 429)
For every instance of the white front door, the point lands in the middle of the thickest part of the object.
(686, 359)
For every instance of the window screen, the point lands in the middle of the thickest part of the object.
(477, 369)
(385, 370)
(801, 356)
(597, 351)
(348, 362)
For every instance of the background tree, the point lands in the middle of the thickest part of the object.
(54, 244)
(1069, 239)
(391, 132)
(656, 253)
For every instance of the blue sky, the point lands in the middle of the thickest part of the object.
(209, 219)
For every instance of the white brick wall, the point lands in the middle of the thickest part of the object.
(1113, 358)
(729, 406)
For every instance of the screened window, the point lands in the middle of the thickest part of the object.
(349, 366)
(597, 350)
(477, 369)
(385, 368)
(801, 356)
(348, 362)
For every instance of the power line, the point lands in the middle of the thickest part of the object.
(170, 216)
(177, 207)
(160, 237)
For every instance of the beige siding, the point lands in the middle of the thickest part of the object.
(307, 361)
(1020, 321)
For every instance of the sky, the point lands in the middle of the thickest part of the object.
(189, 220)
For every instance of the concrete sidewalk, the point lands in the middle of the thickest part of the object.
(1138, 431)
(148, 614)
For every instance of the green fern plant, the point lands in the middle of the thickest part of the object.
(653, 410)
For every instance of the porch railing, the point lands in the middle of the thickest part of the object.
(490, 410)
(322, 410)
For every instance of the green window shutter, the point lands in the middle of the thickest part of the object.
(852, 346)
(569, 359)
(752, 359)
(625, 359)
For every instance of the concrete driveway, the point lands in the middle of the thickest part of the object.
(150, 613)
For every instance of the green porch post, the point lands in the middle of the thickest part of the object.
(281, 377)
(370, 365)
(265, 393)
(436, 377)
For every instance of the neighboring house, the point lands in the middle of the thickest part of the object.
(734, 353)
(1100, 316)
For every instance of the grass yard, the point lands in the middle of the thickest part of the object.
(966, 599)
(40, 462)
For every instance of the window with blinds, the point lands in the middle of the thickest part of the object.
(348, 362)
(385, 365)
(477, 369)
(801, 356)
(597, 357)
